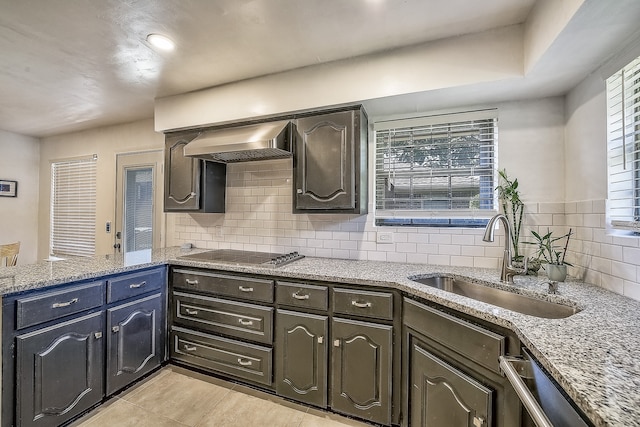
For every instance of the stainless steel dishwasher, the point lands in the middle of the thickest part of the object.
(546, 404)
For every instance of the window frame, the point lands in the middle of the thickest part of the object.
(623, 143)
(433, 217)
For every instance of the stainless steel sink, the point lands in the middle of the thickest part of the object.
(505, 299)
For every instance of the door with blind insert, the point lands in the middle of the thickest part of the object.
(138, 207)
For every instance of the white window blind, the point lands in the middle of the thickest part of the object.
(437, 170)
(623, 104)
(73, 207)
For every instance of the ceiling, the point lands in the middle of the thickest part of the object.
(69, 65)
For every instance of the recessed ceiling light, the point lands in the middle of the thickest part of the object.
(161, 42)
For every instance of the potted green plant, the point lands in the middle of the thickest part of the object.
(513, 209)
(551, 254)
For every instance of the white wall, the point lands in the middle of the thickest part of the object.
(259, 217)
(612, 262)
(19, 160)
(106, 142)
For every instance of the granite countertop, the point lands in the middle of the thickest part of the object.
(594, 354)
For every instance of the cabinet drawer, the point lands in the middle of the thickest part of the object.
(248, 361)
(363, 303)
(248, 288)
(56, 304)
(471, 341)
(302, 295)
(133, 284)
(249, 321)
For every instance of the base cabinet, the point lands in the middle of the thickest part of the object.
(301, 370)
(59, 371)
(361, 365)
(135, 341)
(443, 396)
(66, 348)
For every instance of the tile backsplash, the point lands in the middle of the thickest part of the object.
(258, 218)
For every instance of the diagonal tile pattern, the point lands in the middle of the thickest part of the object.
(176, 397)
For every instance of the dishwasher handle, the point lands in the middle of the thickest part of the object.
(527, 399)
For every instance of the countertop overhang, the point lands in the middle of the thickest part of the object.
(594, 354)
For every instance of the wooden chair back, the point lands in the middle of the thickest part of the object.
(9, 254)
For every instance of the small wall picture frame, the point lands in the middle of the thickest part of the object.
(8, 188)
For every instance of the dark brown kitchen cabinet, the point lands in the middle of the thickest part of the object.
(361, 366)
(330, 163)
(135, 341)
(301, 365)
(66, 348)
(191, 185)
(59, 371)
(443, 396)
(451, 366)
(213, 314)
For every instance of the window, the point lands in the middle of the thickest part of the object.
(73, 207)
(623, 127)
(436, 171)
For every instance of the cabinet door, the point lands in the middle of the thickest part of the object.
(182, 175)
(443, 396)
(59, 371)
(361, 362)
(135, 341)
(301, 357)
(324, 162)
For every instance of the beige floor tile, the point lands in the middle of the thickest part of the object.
(124, 414)
(315, 418)
(179, 397)
(241, 410)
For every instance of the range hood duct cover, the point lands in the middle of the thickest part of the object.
(271, 140)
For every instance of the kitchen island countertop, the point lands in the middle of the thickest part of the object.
(594, 354)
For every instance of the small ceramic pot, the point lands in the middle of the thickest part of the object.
(556, 272)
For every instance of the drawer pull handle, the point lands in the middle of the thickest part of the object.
(64, 304)
(297, 295)
(191, 312)
(244, 362)
(245, 322)
(361, 304)
(188, 347)
(245, 289)
(191, 282)
(137, 285)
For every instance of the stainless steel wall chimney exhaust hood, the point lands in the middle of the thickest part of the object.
(262, 141)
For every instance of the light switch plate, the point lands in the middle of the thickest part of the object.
(384, 237)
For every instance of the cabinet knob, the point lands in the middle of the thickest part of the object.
(360, 304)
(115, 329)
(244, 362)
(299, 191)
(137, 285)
(478, 421)
(300, 296)
(320, 340)
(336, 343)
(245, 322)
(64, 304)
(97, 335)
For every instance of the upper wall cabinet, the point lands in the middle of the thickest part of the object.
(330, 163)
(191, 185)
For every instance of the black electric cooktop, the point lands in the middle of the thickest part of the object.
(231, 256)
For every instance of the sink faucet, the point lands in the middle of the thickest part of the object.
(507, 271)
